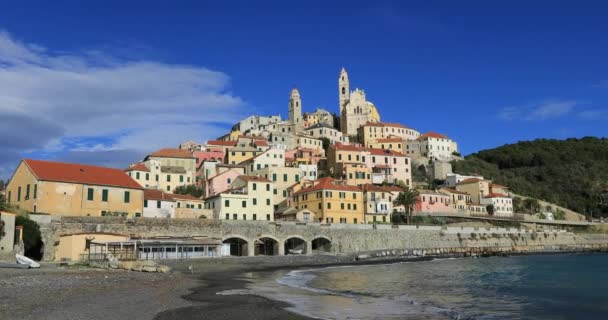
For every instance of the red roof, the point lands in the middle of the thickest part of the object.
(382, 152)
(328, 183)
(496, 195)
(137, 167)
(172, 153)
(222, 143)
(261, 143)
(374, 188)
(208, 155)
(494, 185)
(432, 135)
(80, 173)
(348, 147)
(153, 194)
(185, 197)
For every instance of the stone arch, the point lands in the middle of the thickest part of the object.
(267, 245)
(321, 244)
(239, 245)
(295, 244)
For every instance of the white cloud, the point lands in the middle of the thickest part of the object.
(538, 112)
(106, 103)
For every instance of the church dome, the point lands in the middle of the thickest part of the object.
(374, 114)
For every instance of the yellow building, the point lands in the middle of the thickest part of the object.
(477, 188)
(391, 143)
(241, 154)
(370, 132)
(71, 189)
(332, 201)
(460, 199)
(249, 198)
(75, 247)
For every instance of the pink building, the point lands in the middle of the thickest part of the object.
(221, 182)
(433, 202)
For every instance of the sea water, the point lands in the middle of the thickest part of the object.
(568, 286)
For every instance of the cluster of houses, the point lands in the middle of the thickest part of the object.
(311, 167)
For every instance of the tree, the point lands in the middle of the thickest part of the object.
(326, 144)
(490, 209)
(32, 240)
(408, 199)
(3, 204)
(531, 205)
(192, 190)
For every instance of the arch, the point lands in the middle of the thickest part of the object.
(239, 245)
(266, 246)
(343, 89)
(295, 244)
(321, 244)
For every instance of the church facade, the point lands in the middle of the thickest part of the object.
(355, 110)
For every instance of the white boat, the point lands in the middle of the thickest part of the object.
(294, 251)
(27, 261)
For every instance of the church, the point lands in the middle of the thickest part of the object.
(355, 110)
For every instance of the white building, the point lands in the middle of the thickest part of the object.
(249, 198)
(437, 146)
(453, 179)
(503, 204)
(255, 123)
(323, 130)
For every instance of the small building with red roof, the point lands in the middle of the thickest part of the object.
(71, 189)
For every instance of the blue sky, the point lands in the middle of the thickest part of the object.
(105, 83)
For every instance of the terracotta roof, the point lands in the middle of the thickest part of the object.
(382, 152)
(208, 155)
(221, 143)
(137, 167)
(494, 185)
(432, 135)
(261, 143)
(253, 178)
(185, 197)
(80, 173)
(496, 195)
(470, 180)
(328, 184)
(450, 190)
(348, 147)
(153, 194)
(172, 153)
(393, 188)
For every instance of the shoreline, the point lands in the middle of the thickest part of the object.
(241, 302)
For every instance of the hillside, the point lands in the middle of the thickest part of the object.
(571, 173)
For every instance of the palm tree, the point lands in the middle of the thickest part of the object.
(408, 199)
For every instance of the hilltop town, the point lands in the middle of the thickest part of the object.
(311, 167)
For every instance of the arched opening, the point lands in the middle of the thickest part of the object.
(295, 245)
(238, 246)
(321, 245)
(343, 89)
(266, 247)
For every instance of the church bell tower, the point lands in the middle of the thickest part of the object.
(295, 109)
(343, 89)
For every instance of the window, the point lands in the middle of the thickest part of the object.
(355, 220)
(320, 206)
(168, 178)
(267, 202)
(9, 196)
(156, 178)
(127, 196)
(284, 193)
(274, 177)
(179, 204)
(235, 216)
(354, 206)
(255, 216)
(147, 176)
(268, 217)
(255, 186)
(137, 175)
(342, 206)
(349, 206)
(35, 191)
(158, 204)
(104, 195)
(145, 203)
(340, 157)
(227, 216)
(244, 216)
(255, 201)
(18, 194)
(90, 194)
(27, 192)
(274, 191)
(168, 188)
(297, 177)
(329, 205)
(354, 195)
(244, 204)
(285, 177)
(181, 178)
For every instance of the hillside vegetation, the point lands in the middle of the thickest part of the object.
(571, 173)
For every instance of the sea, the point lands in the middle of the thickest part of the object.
(559, 286)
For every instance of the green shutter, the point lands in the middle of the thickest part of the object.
(104, 195)
(127, 196)
(145, 203)
(90, 194)
(35, 191)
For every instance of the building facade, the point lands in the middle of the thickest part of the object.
(332, 201)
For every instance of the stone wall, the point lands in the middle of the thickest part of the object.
(344, 238)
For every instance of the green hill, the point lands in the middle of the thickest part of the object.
(571, 173)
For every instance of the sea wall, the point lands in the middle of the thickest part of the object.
(342, 238)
